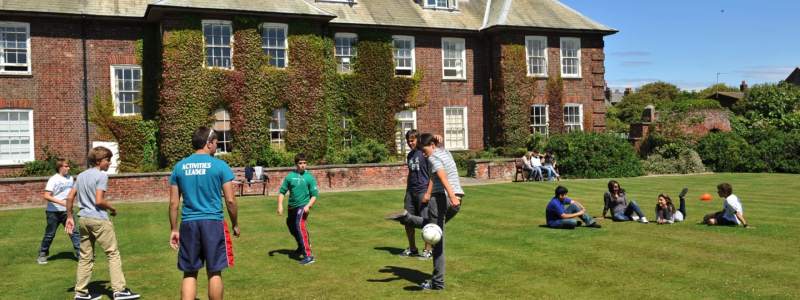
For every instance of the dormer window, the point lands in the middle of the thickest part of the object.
(441, 4)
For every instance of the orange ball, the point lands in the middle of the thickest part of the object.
(706, 197)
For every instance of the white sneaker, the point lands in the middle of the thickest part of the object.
(643, 220)
(635, 217)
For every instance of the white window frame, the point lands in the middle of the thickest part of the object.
(230, 45)
(28, 64)
(437, 4)
(285, 28)
(410, 39)
(281, 143)
(115, 88)
(347, 129)
(222, 135)
(400, 135)
(564, 58)
(546, 124)
(465, 124)
(568, 125)
(353, 51)
(32, 156)
(528, 44)
(463, 44)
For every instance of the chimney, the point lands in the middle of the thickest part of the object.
(628, 91)
(743, 86)
(608, 94)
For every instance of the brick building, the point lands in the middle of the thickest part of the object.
(57, 56)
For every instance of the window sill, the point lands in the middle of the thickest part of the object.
(454, 79)
(218, 68)
(537, 75)
(12, 164)
(125, 115)
(571, 76)
(16, 74)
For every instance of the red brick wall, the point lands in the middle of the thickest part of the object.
(495, 169)
(55, 89)
(26, 192)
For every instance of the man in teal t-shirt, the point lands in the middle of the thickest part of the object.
(204, 238)
(303, 192)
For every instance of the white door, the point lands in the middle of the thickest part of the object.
(114, 150)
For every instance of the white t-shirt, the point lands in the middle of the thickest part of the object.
(59, 186)
(535, 161)
(731, 206)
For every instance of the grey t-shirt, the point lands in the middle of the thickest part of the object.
(617, 205)
(87, 183)
(442, 159)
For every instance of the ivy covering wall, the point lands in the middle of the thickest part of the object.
(513, 95)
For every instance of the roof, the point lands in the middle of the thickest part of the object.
(794, 77)
(729, 95)
(299, 7)
(472, 15)
(115, 8)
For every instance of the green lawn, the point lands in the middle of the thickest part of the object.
(496, 248)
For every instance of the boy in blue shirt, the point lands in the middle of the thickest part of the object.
(416, 187)
(561, 217)
(303, 193)
(203, 235)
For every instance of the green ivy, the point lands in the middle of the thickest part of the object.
(136, 137)
(513, 95)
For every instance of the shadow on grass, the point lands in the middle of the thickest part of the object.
(99, 286)
(63, 255)
(391, 250)
(288, 252)
(400, 273)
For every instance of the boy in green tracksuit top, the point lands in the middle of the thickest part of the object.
(303, 192)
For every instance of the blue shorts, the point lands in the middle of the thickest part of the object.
(205, 241)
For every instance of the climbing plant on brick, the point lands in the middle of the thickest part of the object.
(135, 137)
(555, 97)
(513, 96)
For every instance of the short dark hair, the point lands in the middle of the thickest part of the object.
(202, 136)
(60, 162)
(725, 189)
(299, 157)
(561, 190)
(425, 139)
(97, 154)
(412, 134)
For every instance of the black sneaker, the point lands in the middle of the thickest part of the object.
(125, 294)
(428, 285)
(307, 261)
(683, 192)
(89, 296)
(594, 225)
(399, 216)
(409, 252)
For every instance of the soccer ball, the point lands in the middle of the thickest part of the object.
(431, 234)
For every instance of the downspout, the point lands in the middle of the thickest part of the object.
(85, 84)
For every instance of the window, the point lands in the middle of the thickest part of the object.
(277, 128)
(571, 57)
(217, 38)
(273, 41)
(345, 51)
(441, 4)
(536, 54)
(16, 136)
(455, 128)
(15, 48)
(406, 120)
(403, 55)
(573, 117)
(222, 125)
(347, 129)
(453, 58)
(126, 89)
(539, 118)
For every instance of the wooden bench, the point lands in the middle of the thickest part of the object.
(520, 170)
(241, 181)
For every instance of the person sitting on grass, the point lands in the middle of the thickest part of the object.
(732, 213)
(561, 217)
(616, 201)
(666, 212)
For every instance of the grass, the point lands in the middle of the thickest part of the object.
(495, 249)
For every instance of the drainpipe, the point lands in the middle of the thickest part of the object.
(85, 85)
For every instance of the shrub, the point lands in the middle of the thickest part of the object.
(234, 159)
(368, 151)
(536, 141)
(674, 159)
(594, 155)
(726, 152)
(275, 158)
(776, 151)
(47, 166)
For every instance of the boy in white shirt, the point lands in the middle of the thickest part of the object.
(732, 213)
(56, 192)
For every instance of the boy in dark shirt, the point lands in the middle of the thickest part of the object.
(416, 186)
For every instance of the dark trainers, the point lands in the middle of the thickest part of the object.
(307, 261)
(398, 216)
(683, 192)
(42, 260)
(428, 285)
(125, 294)
(594, 225)
(409, 252)
(89, 296)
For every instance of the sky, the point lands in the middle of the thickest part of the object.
(688, 42)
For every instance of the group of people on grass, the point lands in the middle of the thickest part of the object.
(200, 182)
(565, 213)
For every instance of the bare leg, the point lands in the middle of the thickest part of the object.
(215, 285)
(189, 286)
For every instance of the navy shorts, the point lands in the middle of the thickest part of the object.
(205, 241)
(413, 202)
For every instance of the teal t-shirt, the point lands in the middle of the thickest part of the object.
(301, 188)
(200, 178)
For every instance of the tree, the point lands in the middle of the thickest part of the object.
(661, 91)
